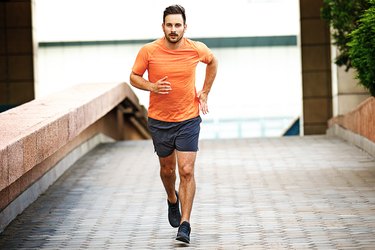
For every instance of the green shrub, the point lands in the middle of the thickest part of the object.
(362, 49)
(343, 16)
(352, 25)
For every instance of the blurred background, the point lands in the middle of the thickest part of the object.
(257, 92)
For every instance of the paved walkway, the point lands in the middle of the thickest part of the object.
(289, 193)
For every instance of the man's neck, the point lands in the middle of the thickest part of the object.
(174, 46)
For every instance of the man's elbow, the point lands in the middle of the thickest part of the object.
(131, 78)
(214, 62)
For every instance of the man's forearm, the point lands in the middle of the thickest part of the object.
(211, 71)
(162, 86)
(139, 82)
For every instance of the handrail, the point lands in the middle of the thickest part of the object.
(38, 134)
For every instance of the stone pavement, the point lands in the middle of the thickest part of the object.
(312, 192)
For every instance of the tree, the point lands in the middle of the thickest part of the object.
(343, 17)
(362, 49)
(352, 25)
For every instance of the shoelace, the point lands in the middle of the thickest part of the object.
(184, 229)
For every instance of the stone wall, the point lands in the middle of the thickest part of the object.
(39, 134)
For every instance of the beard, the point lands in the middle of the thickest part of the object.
(173, 37)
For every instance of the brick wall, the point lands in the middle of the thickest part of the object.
(360, 121)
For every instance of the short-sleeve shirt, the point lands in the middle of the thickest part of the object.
(179, 65)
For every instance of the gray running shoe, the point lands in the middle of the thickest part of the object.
(174, 215)
(184, 232)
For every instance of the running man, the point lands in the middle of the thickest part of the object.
(173, 113)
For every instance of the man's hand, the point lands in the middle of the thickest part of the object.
(162, 86)
(202, 96)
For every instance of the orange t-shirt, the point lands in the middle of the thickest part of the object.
(179, 65)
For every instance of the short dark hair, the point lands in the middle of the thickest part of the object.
(174, 9)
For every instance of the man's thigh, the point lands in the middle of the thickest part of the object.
(186, 160)
(168, 161)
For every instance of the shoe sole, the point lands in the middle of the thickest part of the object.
(183, 239)
(175, 226)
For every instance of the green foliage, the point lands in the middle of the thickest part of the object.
(343, 16)
(362, 49)
(353, 32)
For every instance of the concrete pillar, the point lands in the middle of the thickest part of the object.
(316, 68)
(17, 53)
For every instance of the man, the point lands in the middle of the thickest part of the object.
(173, 113)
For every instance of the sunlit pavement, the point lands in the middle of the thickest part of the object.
(273, 193)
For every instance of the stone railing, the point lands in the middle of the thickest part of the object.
(41, 139)
(357, 126)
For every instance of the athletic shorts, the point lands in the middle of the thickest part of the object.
(168, 136)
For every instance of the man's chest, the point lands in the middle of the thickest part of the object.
(173, 64)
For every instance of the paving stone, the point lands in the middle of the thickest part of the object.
(312, 192)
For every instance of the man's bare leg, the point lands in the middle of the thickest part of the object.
(168, 175)
(186, 162)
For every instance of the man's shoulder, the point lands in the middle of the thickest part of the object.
(196, 44)
(151, 47)
(153, 44)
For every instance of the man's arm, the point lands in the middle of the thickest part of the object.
(211, 71)
(162, 86)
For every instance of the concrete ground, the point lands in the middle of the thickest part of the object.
(313, 192)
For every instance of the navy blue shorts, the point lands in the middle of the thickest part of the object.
(168, 136)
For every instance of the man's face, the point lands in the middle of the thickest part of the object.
(174, 28)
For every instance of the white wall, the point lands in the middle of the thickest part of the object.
(61, 20)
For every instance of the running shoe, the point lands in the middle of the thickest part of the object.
(174, 215)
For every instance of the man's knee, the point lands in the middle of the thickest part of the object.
(167, 170)
(186, 172)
